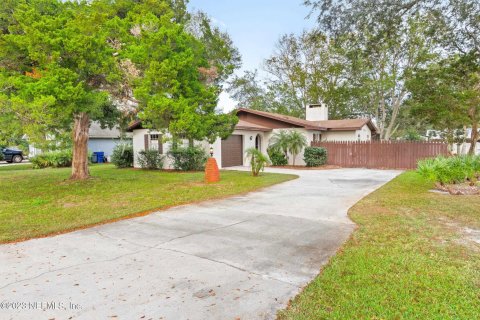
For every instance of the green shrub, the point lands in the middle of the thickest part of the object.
(277, 157)
(257, 160)
(122, 156)
(450, 170)
(54, 159)
(150, 159)
(315, 156)
(189, 158)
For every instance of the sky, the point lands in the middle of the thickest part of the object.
(255, 27)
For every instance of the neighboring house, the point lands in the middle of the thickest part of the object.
(463, 138)
(104, 140)
(254, 130)
(100, 140)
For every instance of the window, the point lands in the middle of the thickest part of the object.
(155, 142)
(317, 137)
(258, 142)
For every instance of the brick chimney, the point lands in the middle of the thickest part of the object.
(316, 112)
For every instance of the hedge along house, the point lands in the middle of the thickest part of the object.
(254, 130)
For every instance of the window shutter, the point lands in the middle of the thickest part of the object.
(146, 142)
(160, 144)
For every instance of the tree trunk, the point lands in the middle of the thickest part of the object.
(191, 143)
(80, 147)
(473, 137)
(396, 105)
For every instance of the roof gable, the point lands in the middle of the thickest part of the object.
(287, 121)
(347, 124)
(250, 119)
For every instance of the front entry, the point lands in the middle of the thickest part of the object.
(232, 151)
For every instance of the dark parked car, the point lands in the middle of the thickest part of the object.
(12, 155)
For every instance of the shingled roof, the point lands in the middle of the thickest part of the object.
(284, 118)
(326, 125)
(245, 125)
(346, 124)
(96, 131)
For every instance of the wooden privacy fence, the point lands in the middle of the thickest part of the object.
(380, 154)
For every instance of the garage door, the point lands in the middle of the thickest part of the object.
(232, 151)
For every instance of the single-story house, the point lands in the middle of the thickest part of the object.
(462, 147)
(255, 128)
(99, 140)
(105, 140)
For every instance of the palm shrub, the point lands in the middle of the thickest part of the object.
(257, 160)
(451, 170)
(54, 159)
(122, 155)
(150, 159)
(296, 142)
(315, 156)
(288, 142)
(280, 141)
(427, 169)
(277, 157)
(189, 158)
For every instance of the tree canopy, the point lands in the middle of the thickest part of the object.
(64, 64)
(360, 58)
(451, 100)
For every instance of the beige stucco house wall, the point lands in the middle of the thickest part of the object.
(261, 126)
(364, 134)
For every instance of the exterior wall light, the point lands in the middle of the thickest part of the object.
(211, 151)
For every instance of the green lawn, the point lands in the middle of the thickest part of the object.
(410, 258)
(22, 166)
(39, 202)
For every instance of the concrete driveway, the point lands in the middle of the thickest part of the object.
(238, 258)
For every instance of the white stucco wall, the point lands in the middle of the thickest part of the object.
(462, 148)
(249, 142)
(364, 134)
(339, 136)
(299, 158)
(138, 141)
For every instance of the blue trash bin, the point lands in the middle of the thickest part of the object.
(100, 156)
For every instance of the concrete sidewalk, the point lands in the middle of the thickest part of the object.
(239, 258)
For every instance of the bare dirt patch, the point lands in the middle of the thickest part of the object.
(469, 237)
(459, 189)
